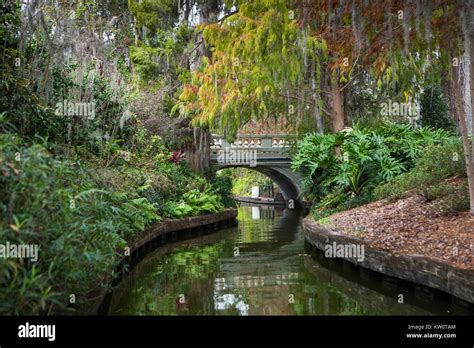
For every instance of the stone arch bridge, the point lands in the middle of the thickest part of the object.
(267, 154)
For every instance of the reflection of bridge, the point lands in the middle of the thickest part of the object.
(267, 154)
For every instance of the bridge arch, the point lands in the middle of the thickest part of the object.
(279, 175)
(267, 154)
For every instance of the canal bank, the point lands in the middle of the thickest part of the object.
(154, 236)
(419, 269)
(262, 266)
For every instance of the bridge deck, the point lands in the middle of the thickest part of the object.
(262, 148)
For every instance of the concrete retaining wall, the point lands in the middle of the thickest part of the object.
(416, 268)
(169, 226)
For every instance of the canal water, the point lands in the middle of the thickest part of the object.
(263, 267)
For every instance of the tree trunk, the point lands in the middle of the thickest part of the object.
(336, 107)
(468, 158)
(451, 88)
(336, 102)
(471, 70)
(317, 114)
(457, 106)
(197, 152)
(468, 148)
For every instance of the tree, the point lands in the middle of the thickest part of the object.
(261, 65)
(298, 56)
(166, 49)
(434, 109)
(428, 33)
(263, 52)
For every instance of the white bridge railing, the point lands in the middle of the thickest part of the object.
(262, 142)
(252, 148)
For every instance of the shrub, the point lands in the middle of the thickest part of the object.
(351, 163)
(194, 203)
(222, 185)
(81, 213)
(455, 200)
(437, 163)
(79, 228)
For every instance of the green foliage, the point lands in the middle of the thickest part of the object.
(161, 57)
(145, 60)
(177, 209)
(82, 210)
(203, 202)
(18, 102)
(453, 198)
(342, 167)
(257, 57)
(37, 77)
(160, 46)
(153, 14)
(434, 109)
(222, 185)
(437, 163)
(244, 179)
(194, 202)
(79, 228)
(81, 188)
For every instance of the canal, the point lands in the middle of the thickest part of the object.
(263, 267)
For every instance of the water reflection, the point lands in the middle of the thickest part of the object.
(257, 268)
(255, 213)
